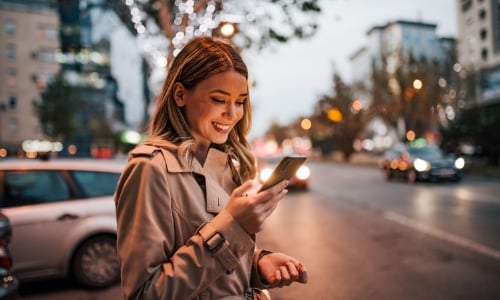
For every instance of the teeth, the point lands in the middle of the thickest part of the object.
(222, 127)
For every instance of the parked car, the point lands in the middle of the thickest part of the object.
(9, 289)
(421, 163)
(266, 165)
(63, 218)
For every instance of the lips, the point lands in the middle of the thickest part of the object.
(221, 127)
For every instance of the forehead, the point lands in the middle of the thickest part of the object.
(227, 81)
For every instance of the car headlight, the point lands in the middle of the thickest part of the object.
(265, 173)
(303, 173)
(459, 163)
(421, 165)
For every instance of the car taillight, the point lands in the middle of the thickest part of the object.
(5, 259)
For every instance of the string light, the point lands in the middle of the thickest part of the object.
(187, 22)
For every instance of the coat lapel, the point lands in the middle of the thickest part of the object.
(217, 174)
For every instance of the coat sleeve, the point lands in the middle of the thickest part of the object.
(150, 266)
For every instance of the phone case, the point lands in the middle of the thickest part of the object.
(286, 168)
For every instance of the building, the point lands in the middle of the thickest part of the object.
(29, 42)
(86, 65)
(389, 46)
(479, 69)
(76, 38)
(397, 54)
(479, 49)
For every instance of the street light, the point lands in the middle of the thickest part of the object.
(306, 124)
(417, 84)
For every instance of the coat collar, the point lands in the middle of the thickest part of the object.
(215, 162)
(217, 173)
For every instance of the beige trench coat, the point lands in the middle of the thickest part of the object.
(160, 209)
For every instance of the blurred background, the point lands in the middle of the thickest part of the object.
(80, 77)
(371, 91)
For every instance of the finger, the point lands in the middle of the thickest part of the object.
(292, 270)
(277, 188)
(278, 198)
(285, 276)
(243, 189)
(302, 273)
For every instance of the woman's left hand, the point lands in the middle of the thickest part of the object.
(279, 270)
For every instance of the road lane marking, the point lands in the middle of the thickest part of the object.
(455, 239)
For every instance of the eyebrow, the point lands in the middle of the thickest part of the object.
(226, 93)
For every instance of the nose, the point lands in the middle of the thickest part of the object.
(231, 112)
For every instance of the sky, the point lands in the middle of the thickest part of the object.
(291, 78)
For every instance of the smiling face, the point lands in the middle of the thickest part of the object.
(213, 107)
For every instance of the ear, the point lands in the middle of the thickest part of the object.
(179, 94)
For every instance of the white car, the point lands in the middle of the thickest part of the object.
(63, 218)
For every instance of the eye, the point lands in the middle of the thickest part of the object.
(217, 100)
(241, 102)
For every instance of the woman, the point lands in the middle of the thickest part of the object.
(186, 213)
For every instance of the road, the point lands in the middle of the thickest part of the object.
(363, 238)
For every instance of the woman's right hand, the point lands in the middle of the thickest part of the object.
(251, 210)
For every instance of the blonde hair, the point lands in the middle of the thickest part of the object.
(201, 58)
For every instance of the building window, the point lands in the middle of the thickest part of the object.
(12, 102)
(466, 5)
(483, 34)
(41, 79)
(482, 14)
(47, 32)
(10, 52)
(45, 55)
(10, 27)
(12, 126)
(11, 77)
(484, 54)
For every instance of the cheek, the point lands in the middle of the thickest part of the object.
(240, 111)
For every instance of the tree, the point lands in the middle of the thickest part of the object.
(57, 109)
(411, 93)
(339, 119)
(384, 104)
(278, 132)
(259, 22)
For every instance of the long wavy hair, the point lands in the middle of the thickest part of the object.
(201, 58)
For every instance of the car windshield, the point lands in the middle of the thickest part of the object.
(427, 152)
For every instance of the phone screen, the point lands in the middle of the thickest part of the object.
(286, 168)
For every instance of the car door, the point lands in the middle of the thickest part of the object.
(42, 210)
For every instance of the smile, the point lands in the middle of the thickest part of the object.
(221, 127)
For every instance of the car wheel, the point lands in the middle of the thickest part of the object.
(457, 178)
(95, 264)
(412, 176)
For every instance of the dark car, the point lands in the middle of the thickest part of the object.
(266, 165)
(421, 163)
(10, 282)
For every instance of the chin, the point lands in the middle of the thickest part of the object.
(220, 139)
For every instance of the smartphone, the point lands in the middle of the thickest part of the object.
(286, 168)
